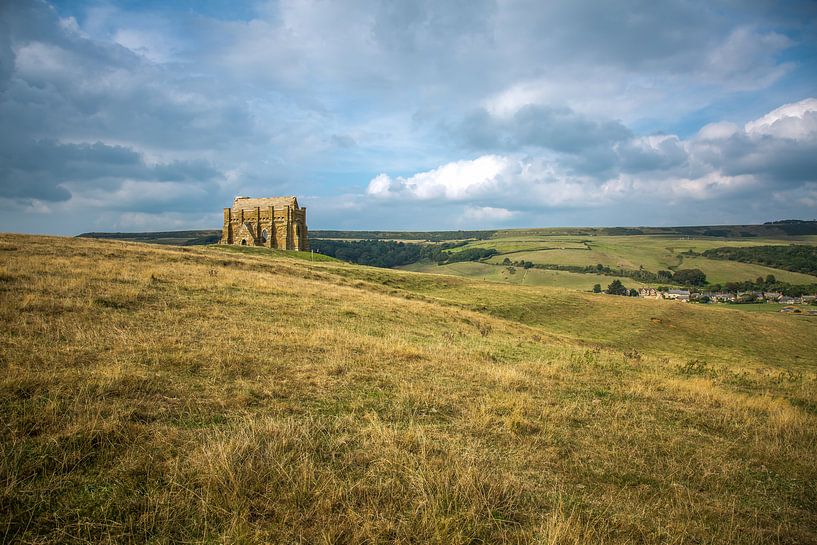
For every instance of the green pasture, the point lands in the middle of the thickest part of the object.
(651, 252)
(522, 277)
(721, 271)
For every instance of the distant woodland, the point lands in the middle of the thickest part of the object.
(389, 253)
(796, 257)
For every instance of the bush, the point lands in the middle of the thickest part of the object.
(617, 288)
(690, 277)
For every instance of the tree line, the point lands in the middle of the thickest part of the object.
(796, 257)
(390, 253)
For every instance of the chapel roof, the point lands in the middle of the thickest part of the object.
(248, 203)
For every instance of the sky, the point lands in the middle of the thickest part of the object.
(422, 115)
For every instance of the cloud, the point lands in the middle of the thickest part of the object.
(780, 147)
(486, 215)
(453, 181)
(512, 181)
(560, 129)
(46, 170)
(795, 121)
(747, 59)
(139, 111)
(772, 154)
(651, 154)
(99, 127)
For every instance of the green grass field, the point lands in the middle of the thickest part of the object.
(655, 251)
(167, 395)
(760, 307)
(527, 277)
(652, 252)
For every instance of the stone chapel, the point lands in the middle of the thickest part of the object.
(272, 222)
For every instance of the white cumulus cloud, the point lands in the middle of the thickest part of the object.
(797, 120)
(453, 181)
(487, 214)
(772, 154)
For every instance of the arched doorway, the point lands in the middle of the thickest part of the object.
(243, 241)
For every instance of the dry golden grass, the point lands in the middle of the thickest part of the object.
(195, 395)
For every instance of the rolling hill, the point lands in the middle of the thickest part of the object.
(629, 249)
(209, 394)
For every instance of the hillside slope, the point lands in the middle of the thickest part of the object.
(171, 394)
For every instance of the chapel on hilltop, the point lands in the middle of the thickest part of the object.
(273, 222)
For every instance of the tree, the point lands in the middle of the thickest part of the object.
(597, 288)
(633, 292)
(770, 279)
(690, 277)
(664, 275)
(617, 288)
(506, 261)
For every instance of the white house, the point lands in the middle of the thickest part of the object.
(677, 295)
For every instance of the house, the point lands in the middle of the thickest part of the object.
(677, 295)
(749, 296)
(772, 296)
(649, 293)
(786, 300)
(809, 299)
(723, 297)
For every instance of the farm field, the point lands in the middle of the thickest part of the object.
(655, 251)
(527, 277)
(204, 394)
(759, 307)
(652, 252)
(722, 271)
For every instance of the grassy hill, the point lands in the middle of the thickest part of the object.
(775, 230)
(650, 248)
(631, 252)
(187, 394)
(176, 238)
(529, 277)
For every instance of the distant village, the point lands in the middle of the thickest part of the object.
(687, 296)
